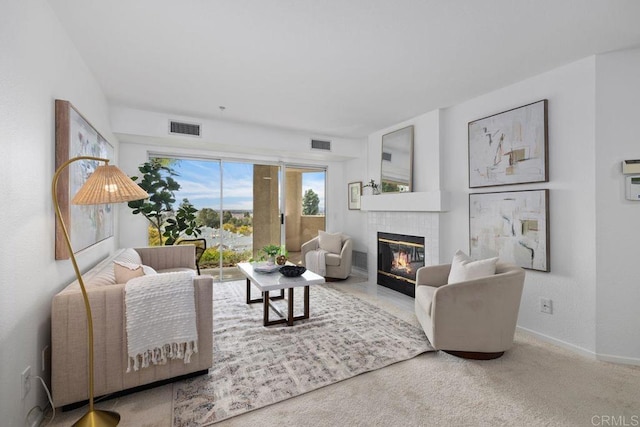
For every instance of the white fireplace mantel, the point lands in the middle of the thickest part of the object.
(426, 201)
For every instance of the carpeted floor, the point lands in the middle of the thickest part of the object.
(533, 384)
(256, 366)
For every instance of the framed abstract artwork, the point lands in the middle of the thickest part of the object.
(87, 225)
(510, 147)
(512, 225)
(355, 192)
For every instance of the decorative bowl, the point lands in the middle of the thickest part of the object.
(262, 267)
(292, 270)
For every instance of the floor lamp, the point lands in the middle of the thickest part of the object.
(107, 184)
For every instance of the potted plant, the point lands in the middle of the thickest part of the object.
(375, 189)
(157, 180)
(271, 251)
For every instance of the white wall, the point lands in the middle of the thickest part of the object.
(571, 283)
(617, 219)
(441, 163)
(354, 221)
(426, 170)
(426, 177)
(230, 141)
(142, 132)
(39, 64)
(590, 100)
(426, 151)
(217, 135)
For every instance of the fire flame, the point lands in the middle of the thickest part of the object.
(401, 262)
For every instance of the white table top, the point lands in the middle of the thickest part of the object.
(275, 281)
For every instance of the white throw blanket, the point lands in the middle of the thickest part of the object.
(315, 261)
(160, 319)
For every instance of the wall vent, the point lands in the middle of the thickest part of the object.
(182, 128)
(360, 260)
(386, 156)
(317, 144)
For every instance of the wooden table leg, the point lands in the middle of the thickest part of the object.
(265, 297)
(306, 302)
(261, 299)
(290, 314)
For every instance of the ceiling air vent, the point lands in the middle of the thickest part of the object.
(386, 156)
(317, 144)
(181, 128)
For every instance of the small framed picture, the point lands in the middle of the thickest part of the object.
(354, 192)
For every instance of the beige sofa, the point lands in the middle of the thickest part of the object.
(69, 328)
(472, 319)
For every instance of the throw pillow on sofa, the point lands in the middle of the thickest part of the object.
(464, 268)
(125, 271)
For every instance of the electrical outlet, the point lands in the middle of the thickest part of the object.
(546, 305)
(25, 381)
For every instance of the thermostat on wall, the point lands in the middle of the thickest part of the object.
(630, 166)
(633, 187)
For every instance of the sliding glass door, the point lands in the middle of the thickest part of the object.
(305, 206)
(251, 213)
(238, 207)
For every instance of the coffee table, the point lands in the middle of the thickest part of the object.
(267, 282)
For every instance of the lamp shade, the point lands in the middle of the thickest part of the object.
(108, 184)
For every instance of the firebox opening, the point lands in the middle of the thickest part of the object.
(399, 258)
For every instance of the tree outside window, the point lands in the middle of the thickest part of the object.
(310, 203)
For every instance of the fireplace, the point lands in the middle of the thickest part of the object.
(399, 257)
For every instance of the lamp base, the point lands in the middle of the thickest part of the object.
(97, 418)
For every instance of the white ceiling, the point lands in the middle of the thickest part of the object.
(331, 67)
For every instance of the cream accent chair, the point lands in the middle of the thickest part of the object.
(473, 319)
(338, 265)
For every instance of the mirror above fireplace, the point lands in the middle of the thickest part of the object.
(397, 161)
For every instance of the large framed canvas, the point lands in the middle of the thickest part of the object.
(87, 225)
(512, 225)
(510, 147)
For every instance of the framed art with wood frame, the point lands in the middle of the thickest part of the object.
(354, 191)
(510, 147)
(87, 224)
(511, 225)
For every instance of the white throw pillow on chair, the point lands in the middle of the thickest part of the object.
(464, 268)
(330, 242)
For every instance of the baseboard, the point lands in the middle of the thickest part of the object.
(76, 405)
(582, 351)
(568, 346)
(618, 359)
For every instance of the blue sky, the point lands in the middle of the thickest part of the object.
(200, 183)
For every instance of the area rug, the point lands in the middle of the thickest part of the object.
(255, 366)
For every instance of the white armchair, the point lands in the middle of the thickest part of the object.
(473, 319)
(338, 265)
